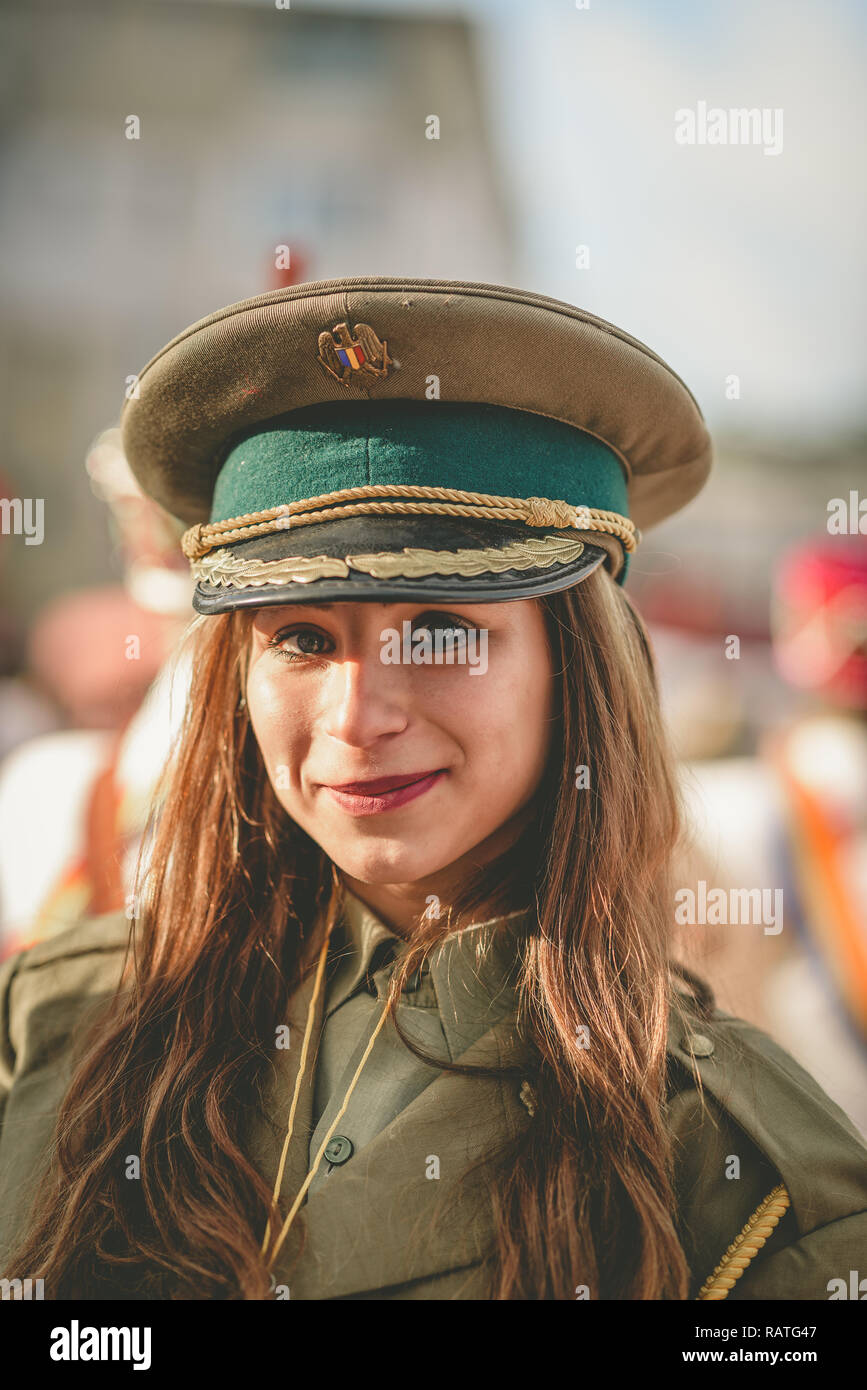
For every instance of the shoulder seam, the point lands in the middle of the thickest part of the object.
(808, 1235)
(31, 965)
(56, 949)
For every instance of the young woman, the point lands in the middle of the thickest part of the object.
(396, 1015)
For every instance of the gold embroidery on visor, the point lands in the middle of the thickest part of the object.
(222, 568)
(518, 555)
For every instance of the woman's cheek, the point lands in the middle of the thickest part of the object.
(274, 719)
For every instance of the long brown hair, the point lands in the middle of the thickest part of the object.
(231, 913)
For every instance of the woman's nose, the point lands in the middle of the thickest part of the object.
(365, 698)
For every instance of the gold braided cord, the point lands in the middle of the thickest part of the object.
(747, 1245)
(302, 1067)
(271, 1254)
(221, 567)
(441, 501)
(326, 1140)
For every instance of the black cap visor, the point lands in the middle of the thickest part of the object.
(370, 534)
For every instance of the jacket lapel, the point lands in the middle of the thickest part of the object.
(399, 1211)
(404, 1207)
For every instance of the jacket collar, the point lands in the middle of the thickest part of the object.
(473, 972)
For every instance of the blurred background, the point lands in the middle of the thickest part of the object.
(163, 158)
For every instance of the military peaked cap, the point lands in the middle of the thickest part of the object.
(379, 439)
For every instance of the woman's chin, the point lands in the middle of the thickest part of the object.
(389, 864)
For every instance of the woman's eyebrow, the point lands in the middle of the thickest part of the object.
(329, 607)
(316, 607)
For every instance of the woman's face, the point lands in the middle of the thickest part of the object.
(328, 710)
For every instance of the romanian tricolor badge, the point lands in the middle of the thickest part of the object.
(345, 355)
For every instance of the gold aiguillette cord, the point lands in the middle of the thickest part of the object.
(302, 1066)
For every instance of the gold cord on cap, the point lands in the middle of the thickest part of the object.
(417, 500)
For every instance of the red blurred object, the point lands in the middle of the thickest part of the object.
(295, 274)
(820, 619)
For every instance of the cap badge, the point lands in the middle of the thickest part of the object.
(346, 356)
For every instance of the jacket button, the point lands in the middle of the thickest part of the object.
(339, 1149)
(699, 1045)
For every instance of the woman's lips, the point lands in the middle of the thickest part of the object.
(383, 794)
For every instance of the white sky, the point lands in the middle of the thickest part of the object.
(725, 260)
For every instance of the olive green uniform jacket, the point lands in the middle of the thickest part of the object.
(391, 1213)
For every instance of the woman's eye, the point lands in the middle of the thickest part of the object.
(298, 645)
(444, 624)
(308, 643)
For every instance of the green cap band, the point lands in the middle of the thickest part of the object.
(480, 448)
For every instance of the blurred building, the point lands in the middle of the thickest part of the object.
(259, 129)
